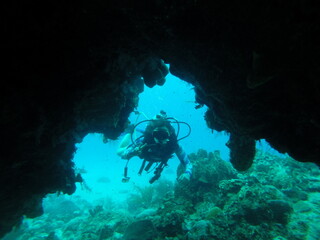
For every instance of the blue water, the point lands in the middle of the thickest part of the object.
(177, 99)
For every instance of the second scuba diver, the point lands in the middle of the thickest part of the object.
(157, 145)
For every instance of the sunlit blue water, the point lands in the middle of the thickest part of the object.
(177, 99)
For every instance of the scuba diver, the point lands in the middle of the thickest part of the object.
(156, 145)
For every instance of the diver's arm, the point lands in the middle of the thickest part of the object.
(127, 150)
(184, 159)
(124, 144)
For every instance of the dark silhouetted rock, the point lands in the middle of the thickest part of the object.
(70, 69)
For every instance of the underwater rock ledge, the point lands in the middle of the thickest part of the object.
(71, 69)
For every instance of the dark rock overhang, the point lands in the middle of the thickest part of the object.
(71, 69)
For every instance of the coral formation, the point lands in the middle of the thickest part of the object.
(140, 230)
(277, 198)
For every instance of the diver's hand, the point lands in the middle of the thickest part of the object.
(139, 149)
(131, 152)
(185, 177)
(128, 153)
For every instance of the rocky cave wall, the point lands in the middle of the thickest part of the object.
(71, 69)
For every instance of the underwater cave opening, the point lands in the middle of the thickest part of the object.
(102, 169)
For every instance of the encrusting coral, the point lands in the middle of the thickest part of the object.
(278, 198)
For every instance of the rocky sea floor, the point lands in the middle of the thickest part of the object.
(277, 199)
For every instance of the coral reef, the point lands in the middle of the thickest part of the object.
(208, 170)
(140, 230)
(278, 198)
(97, 209)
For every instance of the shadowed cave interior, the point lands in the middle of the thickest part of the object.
(71, 69)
